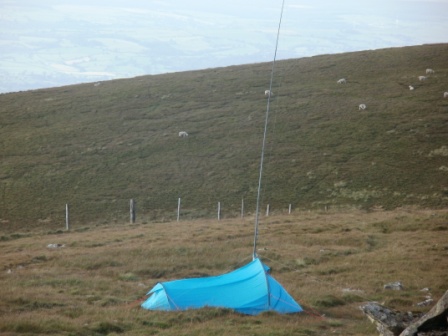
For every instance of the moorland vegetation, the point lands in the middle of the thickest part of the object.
(95, 146)
(330, 262)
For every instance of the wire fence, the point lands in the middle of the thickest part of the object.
(135, 211)
(75, 214)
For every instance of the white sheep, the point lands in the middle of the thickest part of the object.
(183, 134)
(421, 78)
(411, 87)
(445, 94)
(342, 81)
(268, 93)
(362, 107)
(429, 71)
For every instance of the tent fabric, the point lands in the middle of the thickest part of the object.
(249, 290)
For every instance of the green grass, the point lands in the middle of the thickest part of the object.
(96, 147)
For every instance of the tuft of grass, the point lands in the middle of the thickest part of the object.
(107, 328)
(129, 277)
(329, 301)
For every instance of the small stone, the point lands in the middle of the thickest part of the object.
(394, 286)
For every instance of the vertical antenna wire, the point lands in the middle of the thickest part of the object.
(257, 211)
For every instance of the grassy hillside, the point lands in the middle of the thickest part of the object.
(97, 146)
(330, 262)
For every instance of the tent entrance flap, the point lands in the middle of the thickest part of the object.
(249, 290)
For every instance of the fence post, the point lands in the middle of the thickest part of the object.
(67, 218)
(267, 210)
(219, 210)
(178, 209)
(132, 210)
(242, 208)
(289, 209)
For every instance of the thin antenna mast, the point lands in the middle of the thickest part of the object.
(254, 255)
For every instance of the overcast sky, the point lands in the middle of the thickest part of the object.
(48, 43)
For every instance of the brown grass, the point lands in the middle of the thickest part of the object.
(329, 262)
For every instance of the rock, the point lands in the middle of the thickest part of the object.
(388, 322)
(394, 285)
(394, 323)
(433, 323)
(427, 302)
(54, 246)
(352, 290)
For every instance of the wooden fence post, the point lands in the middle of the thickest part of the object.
(178, 209)
(289, 209)
(132, 211)
(67, 218)
(219, 210)
(267, 210)
(242, 208)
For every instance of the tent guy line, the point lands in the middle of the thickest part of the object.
(263, 147)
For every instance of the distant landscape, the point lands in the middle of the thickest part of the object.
(96, 146)
(54, 43)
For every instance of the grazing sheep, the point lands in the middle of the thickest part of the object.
(445, 94)
(362, 107)
(411, 87)
(342, 81)
(268, 93)
(183, 134)
(421, 78)
(429, 71)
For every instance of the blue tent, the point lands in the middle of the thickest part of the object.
(249, 290)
